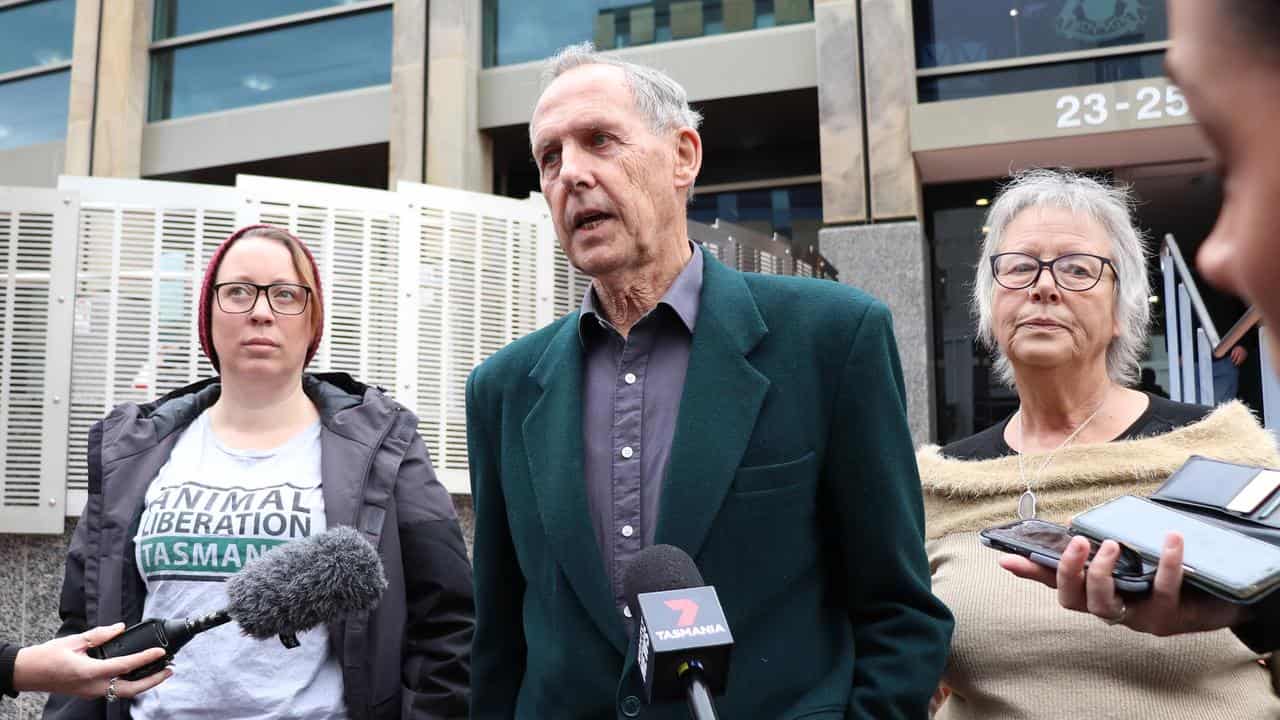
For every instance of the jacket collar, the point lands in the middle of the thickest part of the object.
(722, 396)
(355, 417)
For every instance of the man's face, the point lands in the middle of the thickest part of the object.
(1234, 91)
(616, 189)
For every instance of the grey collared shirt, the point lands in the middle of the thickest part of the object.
(631, 390)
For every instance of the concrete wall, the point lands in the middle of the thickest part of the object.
(33, 165)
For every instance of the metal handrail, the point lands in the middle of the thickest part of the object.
(1189, 282)
(1251, 317)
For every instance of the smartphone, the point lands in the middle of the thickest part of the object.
(1044, 542)
(1225, 563)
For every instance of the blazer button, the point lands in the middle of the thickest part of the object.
(630, 706)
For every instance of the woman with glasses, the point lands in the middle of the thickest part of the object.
(186, 489)
(1061, 299)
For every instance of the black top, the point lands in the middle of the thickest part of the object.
(1160, 417)
(8, 654)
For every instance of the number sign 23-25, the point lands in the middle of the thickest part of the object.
(1150, 103)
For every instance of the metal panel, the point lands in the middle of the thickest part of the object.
(1171, 325)
(142, 249)
(481, 264)
(1270, 387)
(1204, 367)
(37, 256)
(1187, 356)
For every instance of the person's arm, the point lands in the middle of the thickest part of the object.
(901, 630)
(498, 654)
(62, 666)
(441, 612)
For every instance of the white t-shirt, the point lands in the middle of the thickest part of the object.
(210, 510)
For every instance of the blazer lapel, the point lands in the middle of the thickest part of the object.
(553, 442)
(723, 394)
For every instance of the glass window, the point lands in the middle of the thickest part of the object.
(969, 396)
(272, 65)
(34, 110)
(1041, 77)
(35, 34)
(184, 17)
(517, 31)
(794, 211)
(954, 32)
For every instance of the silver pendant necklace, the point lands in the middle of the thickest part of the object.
(1027, 502)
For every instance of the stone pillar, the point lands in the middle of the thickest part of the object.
(840, 125)
(122, 74)
(458, 154)
(890, 89)
(408, 91)
(84, 78)
(891, 261)
(866, 87)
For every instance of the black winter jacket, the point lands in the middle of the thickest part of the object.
(410, 657)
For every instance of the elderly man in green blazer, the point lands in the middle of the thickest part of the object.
(758, 423)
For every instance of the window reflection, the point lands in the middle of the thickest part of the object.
(34, 110)
(969, 397)
(794, 211)
(1041, 77)
(517, 31)
(272, 65)
(185, 17)
(36, 34)
(955, 32)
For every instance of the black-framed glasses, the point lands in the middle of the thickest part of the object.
(282, 298)
(1076, 272)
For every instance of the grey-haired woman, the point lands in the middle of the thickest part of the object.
(1061, 297)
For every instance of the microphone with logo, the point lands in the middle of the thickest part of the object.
(289, 589)
(682, 637)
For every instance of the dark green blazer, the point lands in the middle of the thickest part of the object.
(792, 483)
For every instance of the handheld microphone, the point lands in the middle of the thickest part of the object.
(682, 637)
(291, 588)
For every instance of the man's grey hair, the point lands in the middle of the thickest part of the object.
(1108, 205)
(661, 100)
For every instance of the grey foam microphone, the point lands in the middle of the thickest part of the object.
(682, 636)
(292, 588)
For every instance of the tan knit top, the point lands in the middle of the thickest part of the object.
(1017, 654)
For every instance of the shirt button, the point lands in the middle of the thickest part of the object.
(627, 452)
(630, 378)
(628, 531)
(631, 706)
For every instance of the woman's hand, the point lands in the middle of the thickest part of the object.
(1169, 609)
(62, 666)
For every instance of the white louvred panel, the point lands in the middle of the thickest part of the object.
(571, 284)
(143, 248)
(37, 244)
(354, 234)
(482, 279)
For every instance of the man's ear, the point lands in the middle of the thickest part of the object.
(688, 157)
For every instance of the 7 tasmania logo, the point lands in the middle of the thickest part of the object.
(685, 625)
(687, 608)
